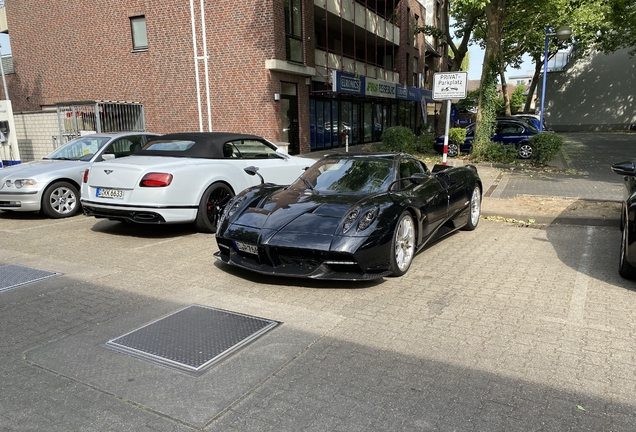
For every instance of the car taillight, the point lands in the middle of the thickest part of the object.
(85, 178)
(156, 180)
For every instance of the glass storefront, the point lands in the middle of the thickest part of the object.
(334, 117)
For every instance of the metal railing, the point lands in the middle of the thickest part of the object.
(78, 118)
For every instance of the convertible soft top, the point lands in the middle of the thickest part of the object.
(208, 145)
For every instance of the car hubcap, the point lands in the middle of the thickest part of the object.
(404, 243)
(63, 200)
(475, 207)
(452, 150)
(525, 151)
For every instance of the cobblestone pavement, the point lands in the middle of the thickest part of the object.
(499, 329)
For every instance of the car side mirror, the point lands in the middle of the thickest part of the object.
(418, 178)
(624, 168)
(108, 156)
(252, 170)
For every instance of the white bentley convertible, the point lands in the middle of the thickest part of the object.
(184, 177)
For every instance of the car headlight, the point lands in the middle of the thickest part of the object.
(231, 208)
(350, 219)
(368, 217)
(20, 183)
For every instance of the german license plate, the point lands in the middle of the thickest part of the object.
(109, 193)
(248, 248)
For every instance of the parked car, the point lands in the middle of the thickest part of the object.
(535, 120)
(508, 131)
(627, 260)
(52, 185)
(348, 217)
(184, 178)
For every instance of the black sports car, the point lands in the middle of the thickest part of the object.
(627, 260)
(349, 217)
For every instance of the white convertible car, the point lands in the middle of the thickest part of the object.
(184, 177)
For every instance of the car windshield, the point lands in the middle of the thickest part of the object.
(347, 175)
(79, 149)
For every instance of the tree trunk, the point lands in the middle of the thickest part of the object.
(504, 89)
(538, 65)
(495, 14)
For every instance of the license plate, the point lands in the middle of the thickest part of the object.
(248, 248)
(109, 193)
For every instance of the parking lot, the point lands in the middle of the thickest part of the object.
(504, 328)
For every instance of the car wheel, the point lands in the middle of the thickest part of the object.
(213, 201)
(453, 150)
(403, 245)
(474, 210)
(625, 269)
(60, 200)
(525, 151)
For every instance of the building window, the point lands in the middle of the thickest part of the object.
(408, 24)
(138, 31)
(293, 31)
(415, 83)
(417, 24)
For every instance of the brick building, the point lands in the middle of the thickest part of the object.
(268, 67)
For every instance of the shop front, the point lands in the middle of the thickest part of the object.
(361, 108)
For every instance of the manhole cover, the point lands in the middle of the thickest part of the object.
(193, 339)
(14, 275)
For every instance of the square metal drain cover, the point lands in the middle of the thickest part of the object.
(194, 338)
(14, 275)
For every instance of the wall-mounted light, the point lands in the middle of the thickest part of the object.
(276, 96)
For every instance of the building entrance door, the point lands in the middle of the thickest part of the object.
(289, 113)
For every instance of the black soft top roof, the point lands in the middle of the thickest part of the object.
(206, 144)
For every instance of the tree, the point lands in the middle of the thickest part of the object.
(517, 99)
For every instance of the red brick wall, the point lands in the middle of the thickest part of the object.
(77, 51)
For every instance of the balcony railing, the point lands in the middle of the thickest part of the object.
(326, 63)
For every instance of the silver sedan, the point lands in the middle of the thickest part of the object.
(52, 185)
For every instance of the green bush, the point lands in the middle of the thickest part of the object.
(399, 139)
(424, 142)
(495, 152)
(544, 147)
(457, 135)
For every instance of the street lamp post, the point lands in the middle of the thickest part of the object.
(562, 33)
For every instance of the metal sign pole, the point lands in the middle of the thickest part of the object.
(446, 128)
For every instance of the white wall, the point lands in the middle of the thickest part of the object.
(597, 92)
(35, 131)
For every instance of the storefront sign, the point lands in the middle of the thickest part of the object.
(342, 82)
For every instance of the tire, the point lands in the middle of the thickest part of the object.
(403, 244)
(453, 150)
(60, 200)
(625, 269)
(211, 207)
(525, 150)
(474, 210)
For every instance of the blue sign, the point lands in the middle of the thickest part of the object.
(343, 82)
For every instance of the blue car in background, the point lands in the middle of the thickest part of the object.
(535, 120)
(509, 131)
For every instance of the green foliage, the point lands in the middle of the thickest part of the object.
(496, 152)
(399, 139)
(457, 135)
(544, 147)
(424, 142)
(517, 99)
(469, 104)
(486, 125)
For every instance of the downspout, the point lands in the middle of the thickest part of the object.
(205, 57)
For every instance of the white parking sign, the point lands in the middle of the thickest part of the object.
(450, 85)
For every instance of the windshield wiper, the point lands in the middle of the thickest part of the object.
(307, 183)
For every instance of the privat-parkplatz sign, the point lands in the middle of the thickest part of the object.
(450, 85)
